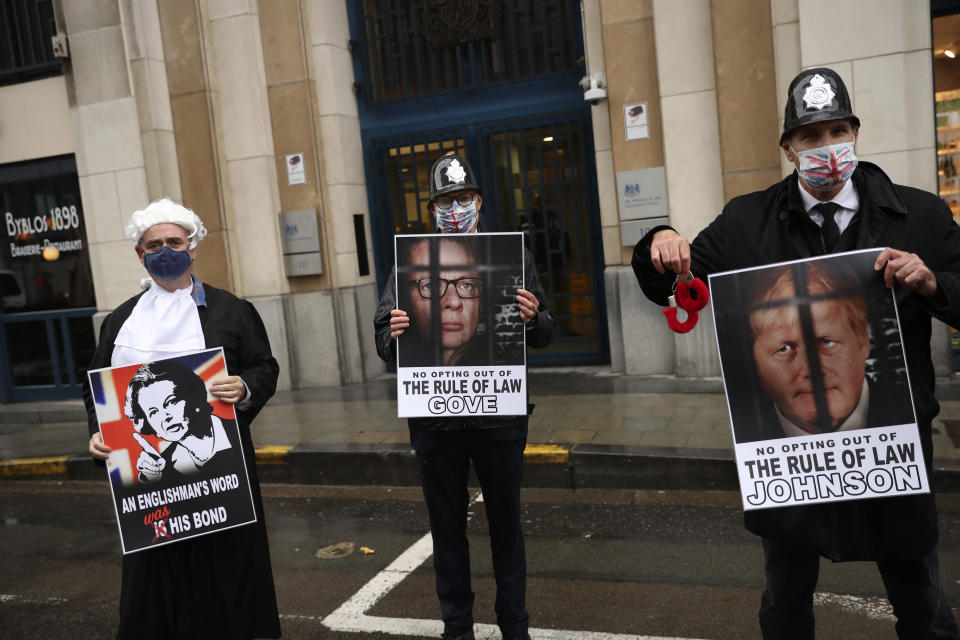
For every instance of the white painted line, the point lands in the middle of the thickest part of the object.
(382, 584)
(874, 608)
(9, 597)
(351, 615)
(293, 616)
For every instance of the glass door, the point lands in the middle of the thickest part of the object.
(538, 170)
(402, 188)
(533, 174)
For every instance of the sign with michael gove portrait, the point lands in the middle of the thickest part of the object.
(464, 353)
(176, 465)
(816, 382)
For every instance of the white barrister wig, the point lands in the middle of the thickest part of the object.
(165, 210)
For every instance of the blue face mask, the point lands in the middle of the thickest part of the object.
(167, 264)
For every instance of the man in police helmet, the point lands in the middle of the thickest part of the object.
(446, 446)
(834, 203)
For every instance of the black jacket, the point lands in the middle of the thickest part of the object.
(771, 226)
(538, 336)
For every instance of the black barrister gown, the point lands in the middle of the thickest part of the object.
(218, 585)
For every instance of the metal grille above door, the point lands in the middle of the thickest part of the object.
(428, 47)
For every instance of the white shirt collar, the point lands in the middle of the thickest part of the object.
(856, 420)
(847, 198)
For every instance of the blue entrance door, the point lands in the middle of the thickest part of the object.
(536, 178)
(504, 93)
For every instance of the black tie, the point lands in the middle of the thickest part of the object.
(830, 230)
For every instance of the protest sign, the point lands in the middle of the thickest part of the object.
(176, 465)
(816, 382)
(464, 353)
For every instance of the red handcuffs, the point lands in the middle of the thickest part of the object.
(691, 295)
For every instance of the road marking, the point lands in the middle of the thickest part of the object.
(875, 608)
(546, 453)
(352, 614)
(272, 454)
(9, 597)
(52, 465)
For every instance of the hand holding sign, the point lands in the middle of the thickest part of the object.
(528, 305)
(399, 322)
(150, 464)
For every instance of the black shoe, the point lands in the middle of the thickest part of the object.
(466, 635)
(522, 636)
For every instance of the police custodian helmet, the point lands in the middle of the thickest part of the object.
(816, 95)
(451, 173)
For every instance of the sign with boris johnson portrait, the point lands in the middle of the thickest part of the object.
(816, 382)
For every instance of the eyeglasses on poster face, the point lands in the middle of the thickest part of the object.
(466, 288)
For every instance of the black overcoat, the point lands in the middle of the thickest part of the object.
(218, 585)
(771, 226)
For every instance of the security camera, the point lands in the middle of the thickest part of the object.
(594, 87)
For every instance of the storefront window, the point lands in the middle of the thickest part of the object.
(946, 70)
(46, 288)
(44, 244)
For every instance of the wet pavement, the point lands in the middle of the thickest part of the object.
(590, 428)
(651, 565)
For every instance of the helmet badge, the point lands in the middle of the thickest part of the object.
(455, 172)
(818, 94)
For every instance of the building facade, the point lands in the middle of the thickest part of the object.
(301, 132)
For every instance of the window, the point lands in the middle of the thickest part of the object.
(418, 48)
(26, 50)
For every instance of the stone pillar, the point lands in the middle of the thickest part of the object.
(149, 73)
(110, 162)
(341, 151)
(691, 140)
(245, 145)
(193, 125)
(785, 19)
(746, 96)
(640, 342)
(688, 102)
(889, 77)
(344, 194)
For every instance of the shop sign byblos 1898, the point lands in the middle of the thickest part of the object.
(23, 231)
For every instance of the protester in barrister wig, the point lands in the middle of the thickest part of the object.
(218, 585)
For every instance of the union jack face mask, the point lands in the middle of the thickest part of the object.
(456, 219)
(825, 168)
